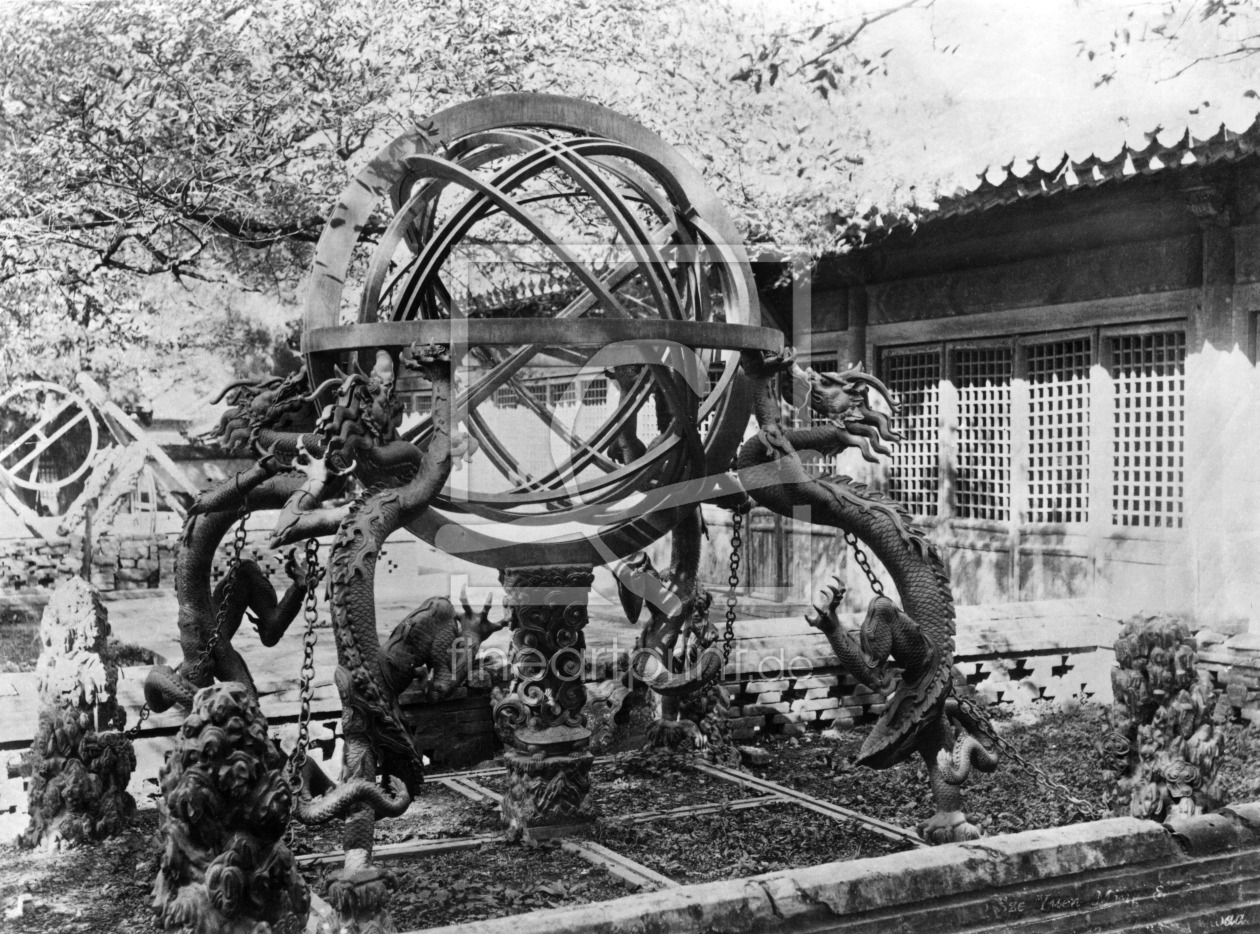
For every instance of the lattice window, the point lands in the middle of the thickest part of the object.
(982, 489)
(422, 402)
(716, 369)
(1148, 433)
(1058, 450)
(596, 392)
(505, 398)
(913, 477)
(562, 393)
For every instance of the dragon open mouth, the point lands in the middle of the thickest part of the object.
(844, 399)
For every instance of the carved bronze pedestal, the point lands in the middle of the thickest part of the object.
(548, 762)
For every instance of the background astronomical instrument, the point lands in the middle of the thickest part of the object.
(48, 438)
(645, 268)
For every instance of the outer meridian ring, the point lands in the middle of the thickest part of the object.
(385, 176)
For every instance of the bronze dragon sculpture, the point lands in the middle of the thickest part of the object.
(675, 638)
(376, 740)
(437, 646)
(353, 437)
(921, 716)
(203, 611)
(353, 440)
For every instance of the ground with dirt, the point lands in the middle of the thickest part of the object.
(1006, 801)
(1062, 744)
(491, 881)
(731, 844)
(634, 782)
(435, 813)
(97, 889)
(107, 888)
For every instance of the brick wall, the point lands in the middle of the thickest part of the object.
(32, 565)
(1236, 671)
(826, 697)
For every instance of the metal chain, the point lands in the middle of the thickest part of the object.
(864, 563)
(307, 691)
(732, 597)
(732, 601)
(229, 587)
(981, 721)
(229, 584)
(977, 714)
(143, 715)
(297, 759)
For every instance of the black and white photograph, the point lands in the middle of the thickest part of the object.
(629, 466)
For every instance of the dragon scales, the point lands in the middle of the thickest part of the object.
(353, 440)
(922, 716)
(376, 741)
(273, 404)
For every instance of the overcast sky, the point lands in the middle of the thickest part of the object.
(976, 82)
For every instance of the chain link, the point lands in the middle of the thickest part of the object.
(981, 721)
(143, 715)
(307, 691)
(864, 563)
(229, 584)
(977, 714)
(297, 759)
(229, 587)
(732, 594)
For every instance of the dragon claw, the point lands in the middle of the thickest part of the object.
(468, 610)
(948, 827)
(767, 363)
(774, 441)
(830, 597)
(296, 572)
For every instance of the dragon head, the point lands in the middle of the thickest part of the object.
(844, 399)
(278, 403)
(365, 405)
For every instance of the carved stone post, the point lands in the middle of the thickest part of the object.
(1164, 749)
(221, 821)
(79, 766)
(548, 762)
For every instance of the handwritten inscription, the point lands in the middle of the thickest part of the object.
(1000, 907)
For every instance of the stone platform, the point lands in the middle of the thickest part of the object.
(1114, 875)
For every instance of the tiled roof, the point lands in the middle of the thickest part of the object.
(1092, 172)
(529, 287)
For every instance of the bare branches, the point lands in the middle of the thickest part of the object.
(1248, 47)
(830, 69)
(1213, 32)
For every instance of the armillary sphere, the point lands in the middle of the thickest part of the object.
(644, 272)
(53, 417)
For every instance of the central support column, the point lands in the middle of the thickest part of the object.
(548, 764)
